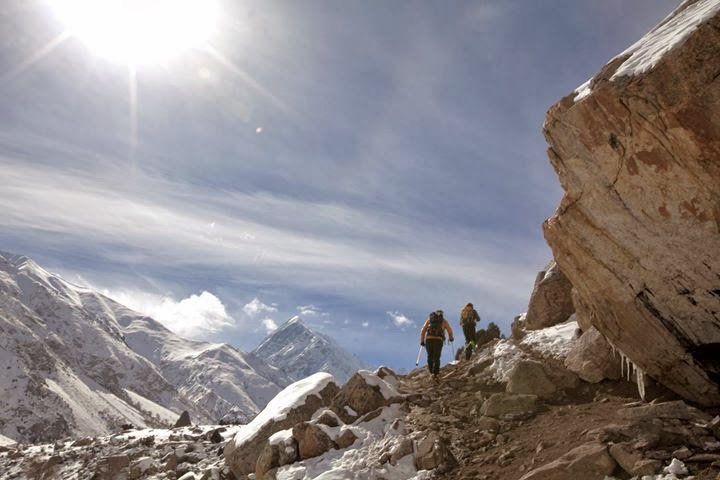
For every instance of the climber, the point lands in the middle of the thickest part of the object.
(432, 337)
(468, 319)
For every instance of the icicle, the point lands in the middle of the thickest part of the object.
(640, 377)
(627, 368)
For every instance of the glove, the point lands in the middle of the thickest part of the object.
(422, 344)
(451, 339)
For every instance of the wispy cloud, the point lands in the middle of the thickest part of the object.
(308, 310)
(229, 229)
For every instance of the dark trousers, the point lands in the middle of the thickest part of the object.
(469, 332)
(434, 350)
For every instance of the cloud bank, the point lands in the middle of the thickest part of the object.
(196, 316)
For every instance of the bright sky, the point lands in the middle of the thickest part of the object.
(358, 163)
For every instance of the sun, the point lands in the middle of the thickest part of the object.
(137, 32)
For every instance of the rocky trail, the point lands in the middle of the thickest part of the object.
(614, 430)
(468, 424)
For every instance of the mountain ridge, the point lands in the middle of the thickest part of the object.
(80, 363)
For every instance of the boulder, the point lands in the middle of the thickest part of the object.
(295, 404)
(588, 461)
(510, 406)
(637, 232)
(528, 376)
(281, 449)
(551, 300)
(433, 452)
(183, 420)
(345, 438)
(676, 410)
(109, 468)
(592, 358)
(312, 440)
(364, 392)
(632, 461)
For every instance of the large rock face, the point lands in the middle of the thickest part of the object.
(637, 233)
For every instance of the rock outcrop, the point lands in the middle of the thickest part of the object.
(551, 300)
(592, 358)
(313, 416)
(293, 405)
(637, 233)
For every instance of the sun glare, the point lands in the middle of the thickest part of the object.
(139, 31)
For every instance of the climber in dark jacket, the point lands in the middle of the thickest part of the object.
(432, 337)
(468, 319)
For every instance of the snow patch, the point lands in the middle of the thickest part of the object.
(506, 355)
(281, 437)
(671, 32)
(556, 341)
(164, 414)
(647, 52)
(388, 391)
(291, 397)
(376, 438)
(583, 90)
(5, 441)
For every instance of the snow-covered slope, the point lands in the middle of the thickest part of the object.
(78, 363)
(66, 369)
(300, 352)
(217, 377)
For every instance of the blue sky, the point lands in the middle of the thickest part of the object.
(358, 163)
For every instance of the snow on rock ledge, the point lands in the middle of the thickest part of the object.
(295, 404)
(637, 232)
(647, 52)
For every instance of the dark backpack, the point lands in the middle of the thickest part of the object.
(435, 326)
(468, 316)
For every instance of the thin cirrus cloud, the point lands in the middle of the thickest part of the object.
(308, 310)
(244, 230)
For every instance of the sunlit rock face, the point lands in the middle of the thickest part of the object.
(637, 233)
(551, 300)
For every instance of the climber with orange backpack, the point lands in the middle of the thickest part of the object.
(432, 337)
(468, 318)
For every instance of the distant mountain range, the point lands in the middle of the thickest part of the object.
(76, 363)
(300, 352)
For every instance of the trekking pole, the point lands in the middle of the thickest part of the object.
(453, 349)
(417, 362)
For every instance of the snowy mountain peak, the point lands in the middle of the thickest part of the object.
(301, 352)
(78, 363)
(19, 262)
